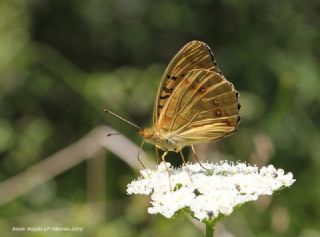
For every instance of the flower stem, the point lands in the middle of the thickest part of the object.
(209, 230)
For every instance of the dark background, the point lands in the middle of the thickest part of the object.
(62, 62)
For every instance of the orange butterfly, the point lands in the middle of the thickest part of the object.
(194, 104)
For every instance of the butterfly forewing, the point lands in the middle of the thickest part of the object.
(194, 55)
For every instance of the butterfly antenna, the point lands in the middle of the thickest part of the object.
(111, 134)
(123, 119)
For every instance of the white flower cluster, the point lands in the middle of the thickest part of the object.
(207, 193)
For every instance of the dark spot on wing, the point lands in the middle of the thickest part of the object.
(218, 112)
(171, 77)
(202, 89)
(215, 102)
(164, 97)
(168, 90)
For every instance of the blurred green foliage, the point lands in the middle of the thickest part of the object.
(62, 62)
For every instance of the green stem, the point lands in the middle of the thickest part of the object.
(209, 230)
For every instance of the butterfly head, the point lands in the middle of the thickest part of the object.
(160, 139)
(148, 134)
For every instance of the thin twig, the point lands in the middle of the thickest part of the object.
(68, 157)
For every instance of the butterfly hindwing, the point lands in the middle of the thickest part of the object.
(194, 55)
(203, 107)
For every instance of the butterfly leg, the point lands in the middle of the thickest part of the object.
(157, 154)
(185, 164)
(140, 150)
(165, 163)
(195, 155)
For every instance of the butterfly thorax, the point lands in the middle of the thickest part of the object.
(162, 139)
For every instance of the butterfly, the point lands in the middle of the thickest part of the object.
(194, 104)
